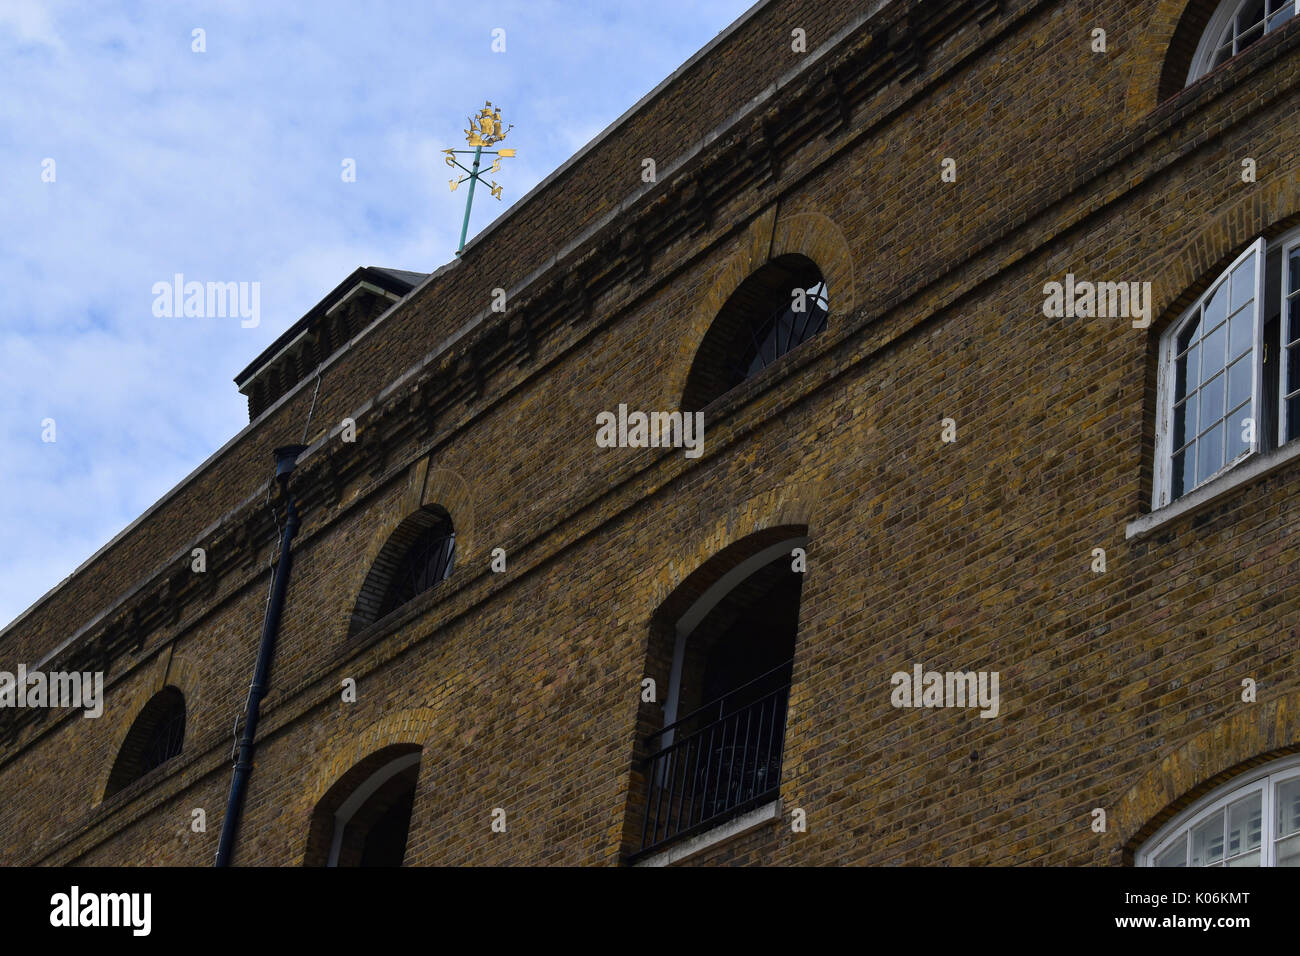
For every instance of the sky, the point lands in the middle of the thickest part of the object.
(128, 155)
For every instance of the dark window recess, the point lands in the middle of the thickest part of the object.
(724, 756)
(770, 314)
(157, 736)
(429, 562)
(780, 331)
(385, 842)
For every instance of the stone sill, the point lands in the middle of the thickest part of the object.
(735, 827)
(1247, 472)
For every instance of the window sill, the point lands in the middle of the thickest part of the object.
(735, 827)
(1250, 470)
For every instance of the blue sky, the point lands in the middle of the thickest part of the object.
(225, 166)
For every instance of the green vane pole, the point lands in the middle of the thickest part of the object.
(469, 200)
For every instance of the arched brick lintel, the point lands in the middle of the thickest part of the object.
(345, 748)
(783, 508)
(119, 716)
(805, 231)
(1265, 208)
(1259, 733)
(426, 487)
(1165, 46)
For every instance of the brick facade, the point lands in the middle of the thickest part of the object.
(521, 689)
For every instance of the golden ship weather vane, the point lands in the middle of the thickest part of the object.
(485, 130)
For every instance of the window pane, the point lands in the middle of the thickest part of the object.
(1292, 367)
(1212, 407)
(1213, 351)
(1288, 807)
(1293, 417)
(1184, 477)
(1245, 825)
(1243, 333)
(1243, 283)
(1240, 378)
(1287, 852)
(1283, 12)
(1216, 310)
(1209, 453)
(1174, 855)
(1184, 422)
(1207, 841)
(1236, 426)
(1189, 373)
(1250, 14)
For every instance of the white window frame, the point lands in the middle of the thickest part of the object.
(1214, 31)
(1264, 779)
(1290, 243)
(1162, 493)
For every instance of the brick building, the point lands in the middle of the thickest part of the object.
(879, 256)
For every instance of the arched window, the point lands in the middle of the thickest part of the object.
(725, 646)
(365, 818)
(1253, 820)
(1235, 25)
(1229, 375)
(776, 309)
(157, 735)
(418, 556)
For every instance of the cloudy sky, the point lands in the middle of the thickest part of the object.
(225, 165)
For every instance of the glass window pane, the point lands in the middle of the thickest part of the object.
(1184, 462)
(1212, 407)
(1189, 372)
(1292, 368)
(1293, 417)
(1243, 332)
(1184, 422)
(1207, 841)
(1209, 453)
(1293, 281)
(1214, 351)
(1287, 852)
(1216, 310)
(1240, 378)
(1288, 807)
(1283, 12)
(1174, 855)
(1245, 824)
(1250, 14)
(1243, 283)
(1237, 433)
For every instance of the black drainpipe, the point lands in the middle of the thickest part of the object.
(284, 461)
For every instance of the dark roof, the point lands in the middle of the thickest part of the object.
(396, 281)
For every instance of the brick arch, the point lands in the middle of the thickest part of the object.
(806, 232)
(1163, 53)
(770, 514)
(427, 489)
(1258, 734)
(119, 716)
(1265, 208)
(345, 748)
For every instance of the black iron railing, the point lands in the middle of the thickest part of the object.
(716, 762)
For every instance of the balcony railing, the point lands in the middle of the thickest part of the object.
(716, 762)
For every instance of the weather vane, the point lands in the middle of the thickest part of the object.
(484, 130)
